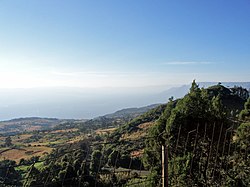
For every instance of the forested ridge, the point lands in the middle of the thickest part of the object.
(203, 134)
(206, 133)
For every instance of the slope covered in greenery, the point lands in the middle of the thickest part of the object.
(230, 102)
(198, 131)
(132, 126)
(115, 119)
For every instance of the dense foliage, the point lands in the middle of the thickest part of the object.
(195, 131)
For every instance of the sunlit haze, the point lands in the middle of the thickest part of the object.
(135, 47)
(122, 43)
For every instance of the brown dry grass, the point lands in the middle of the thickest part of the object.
(146, 125)
(105, 131)
(137, 153)
(142, 132)
(76, 139)
(26, 153)
(134, 136)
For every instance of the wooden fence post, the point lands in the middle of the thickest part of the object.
(164, 166)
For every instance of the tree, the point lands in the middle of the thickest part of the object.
(72, 169)
(217, 106)
(241, 92)
(245, 114)
(188, 162)
(96, 162)
(8, 141)
(239, 162)
(8, 174)
(32, 173)
(114, 159)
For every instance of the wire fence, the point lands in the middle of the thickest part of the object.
(207, 148)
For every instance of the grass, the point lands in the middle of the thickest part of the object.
(20, 138)
(25, 153)
(138, 134)
(36, 148)
(135, 182)
(105, 131)
(76, 139)
(24, 169)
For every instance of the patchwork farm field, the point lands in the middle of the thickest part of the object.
(37, 144)
(24, 153)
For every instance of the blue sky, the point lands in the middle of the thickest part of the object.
(122, 43)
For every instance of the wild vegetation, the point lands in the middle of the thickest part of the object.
(206, 134)
(196, 132)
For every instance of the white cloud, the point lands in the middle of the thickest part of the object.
(78, 73)
(187, 63)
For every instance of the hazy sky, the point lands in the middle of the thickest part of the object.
(110, 43)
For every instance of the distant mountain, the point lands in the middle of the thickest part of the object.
(85, 103)
(117, 118)
(176, 92)
(131, 112)
(73, 103)
(35, 123)
(78, 107)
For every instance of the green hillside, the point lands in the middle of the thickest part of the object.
(231, 102)
(210, 108)
(199, 131)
